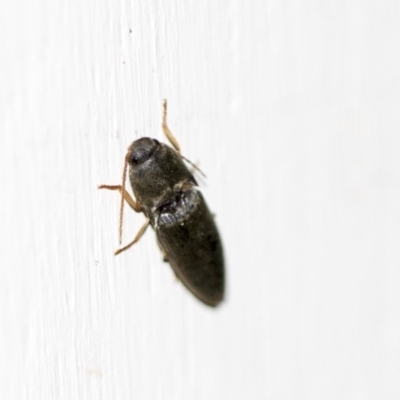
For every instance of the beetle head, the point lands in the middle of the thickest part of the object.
(141, 150)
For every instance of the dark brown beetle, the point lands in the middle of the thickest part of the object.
(166, 192)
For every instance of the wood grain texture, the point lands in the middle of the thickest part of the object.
(292, 110)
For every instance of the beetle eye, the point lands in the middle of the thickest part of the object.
(137, 158)
(141, 150)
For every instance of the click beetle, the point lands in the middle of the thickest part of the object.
(167, 193)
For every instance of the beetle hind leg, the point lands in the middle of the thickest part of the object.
(164, 254)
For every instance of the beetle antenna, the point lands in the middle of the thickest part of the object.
(121, 208)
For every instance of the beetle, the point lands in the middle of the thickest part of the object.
(167, 193)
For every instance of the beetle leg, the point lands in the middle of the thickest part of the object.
(172, 139)
(128, 198)
(164, 254)
(142, 230)
(194, 168)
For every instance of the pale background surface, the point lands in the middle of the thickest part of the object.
(293, 110)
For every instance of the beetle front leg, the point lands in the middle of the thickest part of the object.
(128, 198)
(172, 139)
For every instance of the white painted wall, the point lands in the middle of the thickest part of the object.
(293, 110)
